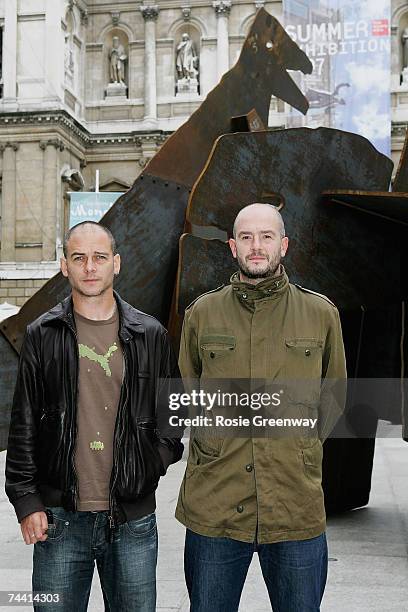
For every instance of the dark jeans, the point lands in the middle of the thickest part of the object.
(64, 563)
(294, 572)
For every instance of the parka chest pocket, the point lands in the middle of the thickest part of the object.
(304, 355)
(216, 353)
(303, 368)
(214, 347)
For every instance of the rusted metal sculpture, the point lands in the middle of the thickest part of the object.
(148, 220)
(335, 250)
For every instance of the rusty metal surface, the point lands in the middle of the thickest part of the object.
(332, 251)
(261, 71)
(208, 262)
(383, 346)
(51, 293)
(387, 205)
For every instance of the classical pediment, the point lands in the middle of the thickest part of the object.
(114, 184)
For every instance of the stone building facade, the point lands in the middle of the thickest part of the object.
(98, 84)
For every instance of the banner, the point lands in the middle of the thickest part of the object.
(90, 206)
(348, 42)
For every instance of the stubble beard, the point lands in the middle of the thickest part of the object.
(268, 272)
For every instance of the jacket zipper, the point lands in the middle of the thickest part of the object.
(114, 475)
(74, 414)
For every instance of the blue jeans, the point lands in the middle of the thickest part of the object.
(294, 572)
(65, 562)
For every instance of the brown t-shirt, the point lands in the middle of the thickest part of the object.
(100, 380)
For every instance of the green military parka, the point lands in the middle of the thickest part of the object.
(248, 488)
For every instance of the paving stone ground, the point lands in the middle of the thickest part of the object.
(368, 570)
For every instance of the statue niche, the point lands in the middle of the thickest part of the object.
(187, 66)
(117, 58)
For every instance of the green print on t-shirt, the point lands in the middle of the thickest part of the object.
(103, 360)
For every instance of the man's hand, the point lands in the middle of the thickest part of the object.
(33, 527)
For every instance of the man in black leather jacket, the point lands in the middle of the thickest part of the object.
(80, 499)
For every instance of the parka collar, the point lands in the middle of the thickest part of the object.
(268, 288)
(129, 320)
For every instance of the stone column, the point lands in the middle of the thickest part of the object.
(222, 10)
(54, 58)
(150, 14)
(10, 55)
(8, 221)
(50, 195)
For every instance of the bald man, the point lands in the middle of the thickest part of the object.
(249, 494)
(85, 455)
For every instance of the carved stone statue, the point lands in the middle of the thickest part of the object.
(117, 58)
(186, 58)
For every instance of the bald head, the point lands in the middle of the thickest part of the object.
(90, 262)
(259, 242)
(264, 214)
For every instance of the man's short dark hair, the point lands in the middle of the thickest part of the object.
(72, 230)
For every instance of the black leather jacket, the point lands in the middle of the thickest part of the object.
(40, 457)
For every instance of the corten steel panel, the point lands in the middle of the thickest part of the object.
(387, 205)
(391, 205)
(203, 265)
(383, 346)
(332, 250)
(148, 242)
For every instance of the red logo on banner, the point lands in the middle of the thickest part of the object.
(379, 27)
